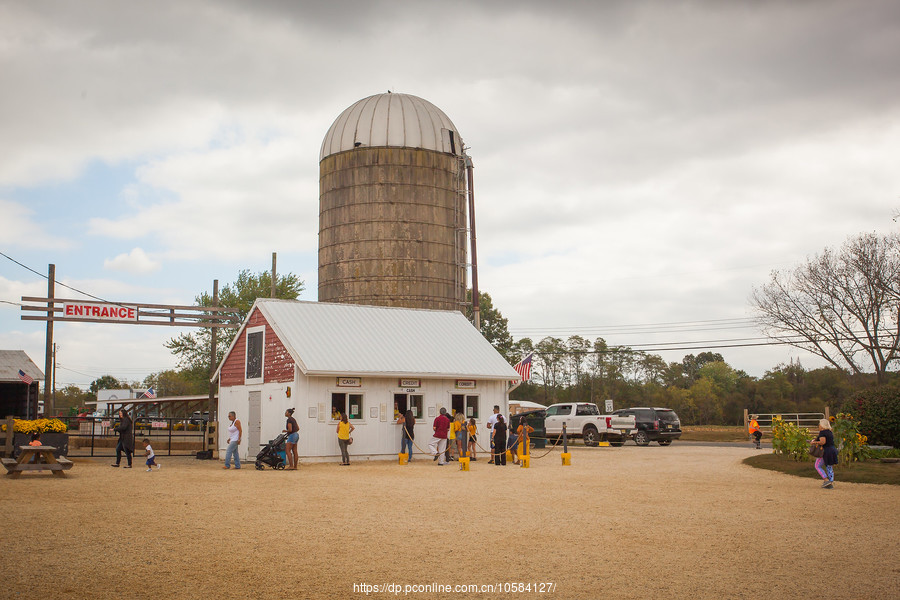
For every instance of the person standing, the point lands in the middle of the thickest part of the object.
(234, 440)
(830, 457)
(755, 433)
(125, 429)
(459, 428)
(524, 431)
(290, 444)
(473, 437)
(498, 434)
(344, 429)
(490, 425)
(438, 443)
(407, 423)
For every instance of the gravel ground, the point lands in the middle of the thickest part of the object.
(631, 522)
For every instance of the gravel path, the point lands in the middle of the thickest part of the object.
(631, 522)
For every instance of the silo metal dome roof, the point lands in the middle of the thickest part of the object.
(399, 120)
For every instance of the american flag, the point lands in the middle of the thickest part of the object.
(523, 367)
(150, 393)
(26, 378)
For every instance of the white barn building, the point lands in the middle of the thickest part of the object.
(368, 361)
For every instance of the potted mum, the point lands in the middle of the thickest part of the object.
(53, 433)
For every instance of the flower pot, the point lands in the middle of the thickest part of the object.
(60, 441)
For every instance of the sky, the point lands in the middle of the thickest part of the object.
(639, 166)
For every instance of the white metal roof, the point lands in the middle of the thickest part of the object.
(391, 120)
(353, 340)
(13, 360)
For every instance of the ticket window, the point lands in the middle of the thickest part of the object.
(351, 404)
(413, 402)
(467, 405)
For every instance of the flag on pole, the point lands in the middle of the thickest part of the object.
(26, 378)
(150, 393)
(523, 367)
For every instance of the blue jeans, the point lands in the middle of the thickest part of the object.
(407, 444)
(232, 451)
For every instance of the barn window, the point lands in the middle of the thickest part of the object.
(351, 404)
(467, 405)
(254, 360)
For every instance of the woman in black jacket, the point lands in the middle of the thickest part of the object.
(498, 433)
(830, 456)
(125, 429)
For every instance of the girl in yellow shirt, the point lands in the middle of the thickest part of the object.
(344, 429)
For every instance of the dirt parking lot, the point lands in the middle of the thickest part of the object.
(632, 522)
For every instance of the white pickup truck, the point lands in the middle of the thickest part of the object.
(584, 420)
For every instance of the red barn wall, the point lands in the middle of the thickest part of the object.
(278, 365)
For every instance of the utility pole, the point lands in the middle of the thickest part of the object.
(273, 274)
(48, 349)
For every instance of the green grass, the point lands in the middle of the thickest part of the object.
(871, 471)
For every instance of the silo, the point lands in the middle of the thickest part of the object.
(392, 206)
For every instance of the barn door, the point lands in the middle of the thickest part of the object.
(253, 424)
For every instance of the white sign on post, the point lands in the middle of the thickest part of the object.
(609, 405)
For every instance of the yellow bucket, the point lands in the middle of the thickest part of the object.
(404, 458)
(525, 461)
(464, 463)
(566, 459)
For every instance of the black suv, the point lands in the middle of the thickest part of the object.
(653, 424)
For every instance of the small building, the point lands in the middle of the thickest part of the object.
(371, 362)
(19, 396)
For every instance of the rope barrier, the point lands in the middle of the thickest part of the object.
(484, 450)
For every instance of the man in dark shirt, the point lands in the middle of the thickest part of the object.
(439, 442)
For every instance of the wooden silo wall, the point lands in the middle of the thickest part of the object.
(390, 229)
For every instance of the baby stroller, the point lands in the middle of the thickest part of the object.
(272, 454)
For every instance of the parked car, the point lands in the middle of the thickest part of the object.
(583, 419)
(534, 418)
(659, 425)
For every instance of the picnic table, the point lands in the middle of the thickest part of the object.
(43, 460)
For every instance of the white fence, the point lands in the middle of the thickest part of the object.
(808, 420)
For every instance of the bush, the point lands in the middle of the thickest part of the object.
(878, 412)
(38, 426)
(790, 440)
(850, 442)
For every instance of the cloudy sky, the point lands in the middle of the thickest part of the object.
(636, 163)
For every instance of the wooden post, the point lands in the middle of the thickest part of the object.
(212, 364)
(48, 349)
(827, 413)
(746, 419)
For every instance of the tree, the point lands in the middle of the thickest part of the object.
(494, 326)
(843, 306)
(107, 382)
(192, 349)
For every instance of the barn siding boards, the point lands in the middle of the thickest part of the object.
(391, 229)
(278, 365)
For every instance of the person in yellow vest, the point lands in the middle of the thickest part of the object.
(754, 430)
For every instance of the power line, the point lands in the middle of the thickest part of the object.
(55, 281)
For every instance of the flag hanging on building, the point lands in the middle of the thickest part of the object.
(523, 367)
(26, 378)
(150, 393)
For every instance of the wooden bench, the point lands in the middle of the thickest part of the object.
(43, 461)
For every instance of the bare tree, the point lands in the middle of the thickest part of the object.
(842, 306)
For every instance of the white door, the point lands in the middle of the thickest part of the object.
(253, 424)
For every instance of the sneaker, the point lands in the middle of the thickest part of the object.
(149, 469)
(829, 485)
(226, 467)
(158, 467)
(127, 467)
(826, 483)
(114, 465)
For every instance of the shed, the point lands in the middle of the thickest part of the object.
(371, 362)
(18, 397)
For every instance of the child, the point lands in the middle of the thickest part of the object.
(35, 440)
(472, 438)
(151, 457)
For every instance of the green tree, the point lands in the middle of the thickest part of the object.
(107, 382)
(494, 326)
(192, 349)
(184, 382)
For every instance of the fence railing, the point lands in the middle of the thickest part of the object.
(96, 436)
(805, 420)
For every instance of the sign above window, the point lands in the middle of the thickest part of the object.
(349, 382)
(466, 384)
(410, 383)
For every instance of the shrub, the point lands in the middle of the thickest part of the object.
(789, 440)
(38, 426)
(878, 412)
(851, 443)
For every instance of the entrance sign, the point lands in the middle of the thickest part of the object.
(105, 312)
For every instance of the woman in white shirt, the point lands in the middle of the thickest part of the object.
(234, 439)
